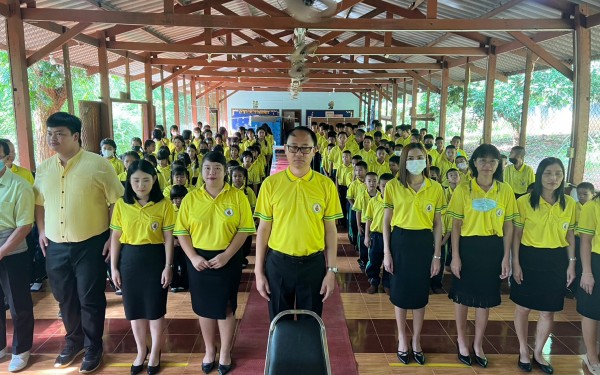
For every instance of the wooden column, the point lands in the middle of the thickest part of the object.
(415, 102)
(149, 125)
(186, 112)
(581, 96)
(463, 118)
(369, 106)
(427, 108)
(193, 102)
(68, 80)
(175, 100)
(20, 87)
(403, 103)
(394, 103)
(162, 96)
(490, 83)
(106, 108)
(526, 94)
(444, 102)
(379, 103)
(127, 77)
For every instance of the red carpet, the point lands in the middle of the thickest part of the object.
(250, 347)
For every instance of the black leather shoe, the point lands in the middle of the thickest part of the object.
(67, 356)
(91, 361)
(481, 361)
(224, 369)
(208, 367)
(403, 357)
(466, 359)
(548, 369)
(419, 357)
(153, 370)
(137, 369)
(524, 366)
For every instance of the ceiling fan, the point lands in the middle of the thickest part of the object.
(306, 11)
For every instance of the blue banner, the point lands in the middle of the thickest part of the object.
(243, 117)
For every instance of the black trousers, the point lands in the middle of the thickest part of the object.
(180, 274)
(342, 191)
(295, 282)
(77, 276)
(14, 283)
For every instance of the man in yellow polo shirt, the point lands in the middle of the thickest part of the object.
(296, 243)
(74, 193)
(518, 174)
(10, 164)
(16, 218)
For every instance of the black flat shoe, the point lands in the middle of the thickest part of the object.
(524, 366)
(481, 361)
(208, 367)
(153, 370)
(403, 357)
(548, 369)
(137, 369)
(419, 357)
(465, 359)
(224, 369)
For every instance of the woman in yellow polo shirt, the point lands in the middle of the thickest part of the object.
(212, 224)
(482, 211)
(588, 295)
(141, 258)
(543, 258)
(412, 251)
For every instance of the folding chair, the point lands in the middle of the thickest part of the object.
(297, 347)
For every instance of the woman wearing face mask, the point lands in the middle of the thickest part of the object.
(482, 211)
(412, 235)
(108, 148)
(463, 169)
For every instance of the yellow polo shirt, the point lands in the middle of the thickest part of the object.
(519, 179)
(165, 172)
(361, 203)
(545, 227)
(254, 174)
(117, 165)
(589, 223)
(213, 222)
(444, 165)
(335, 155)
(369, 157)
(355, 189)
(477, 223)
(381, 168)
(374, 213)
(76, 197)
(17, 202)
(143, 225)
(249, 193)
(297, 208)
(345, 173)
(24, 173)
(434, 153)
(414, 210)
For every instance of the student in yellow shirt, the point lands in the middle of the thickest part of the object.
(136, 145)
(378, 138)
(543, 258)
(356, 188)
(457, 143)
(265, 149)
(180, 282)
(435, 174)
(259, 160)
(335, 156)
(159, 139)
(108, 148)
(162, 183)
(394, 164)
(212, 224)
(518, 174)
(164, 166)
(179, 176)
(194, 166)
(585, 193)
(438, 151)
(344, 177)
(10, 163)
(149, 147)
(128, 158)
(482, 231)
(367, 153)
(251, 139)
(326, 161)
(381, 165)
(446, 161)
(412, 236)
(239, 178)
(174, 132)
(253, 174)
(142, 259)
(178, 147)
(588, 295)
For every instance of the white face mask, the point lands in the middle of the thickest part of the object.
(397, 153)
(416, 167)
(462, 165)
(108, 154)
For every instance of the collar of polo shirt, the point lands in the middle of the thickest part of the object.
(292, 177)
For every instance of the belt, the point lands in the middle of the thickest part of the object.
(296, 259)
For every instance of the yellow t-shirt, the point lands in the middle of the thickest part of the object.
(345, 173)
(298, 208)
(545, 227)
(123, 177)
(434, 153)
(165, 172)
(589, 223)
(117, 165)
(213, 222)
(23, 173)
(381, 168)
(478, 223)
(374, 213)
(519, 179)
(446, 218)
(355, 189)
(143, 225)
(335, 155)
(247, 190)
(17, 199)
(414, 210)
(444, 165)
(369, 157)
(254, 174)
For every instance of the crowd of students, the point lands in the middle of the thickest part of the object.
(181, 213)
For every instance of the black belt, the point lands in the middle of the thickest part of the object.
(296, 259)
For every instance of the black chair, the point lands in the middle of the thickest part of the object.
(297, 347)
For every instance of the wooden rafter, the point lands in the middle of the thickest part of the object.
(417, 77)
(286, 65)
(56, 43)
(168, 79)
(543, 54)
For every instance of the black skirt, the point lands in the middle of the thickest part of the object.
(479, 283)
(141, 268)
(412, 252)
(214, 291)
(544, 279)
(589, 305)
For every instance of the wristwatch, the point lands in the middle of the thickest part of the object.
(332, 269)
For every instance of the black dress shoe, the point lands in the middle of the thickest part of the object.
(91, 361)
(224, 369)
(419, 357)
(67, 356)
(137, 369)
(548, 369)
(208, 367)
(403, 357)
(153, 370)
(481, 361)
(466, 359)
(524, 366)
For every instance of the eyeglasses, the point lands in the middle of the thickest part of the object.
(294, 149)
(491, 162)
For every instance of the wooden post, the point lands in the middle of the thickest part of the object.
(175, 100)
(360, 108)
(414, 103)
(193, 102)
(106, 112)
(581, 96)
(369, 106)
(162, 96)
(379, 103)
(68, 80)
(403, 104)
(394, 103)
(20, 88)
(526, 94)
(444, 101)
(490, 83)
(463, 118)
(127, 76)
(186, 113)
(149, 125)
(427, 107)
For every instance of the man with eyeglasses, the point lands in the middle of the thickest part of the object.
(296, 243)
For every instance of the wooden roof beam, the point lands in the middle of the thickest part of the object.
(543, 54)
(63, 38)
(286, 65)
(168, 79)
(425, 82)
(482, 72)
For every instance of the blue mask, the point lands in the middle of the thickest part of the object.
(2, 164)
(484, 204)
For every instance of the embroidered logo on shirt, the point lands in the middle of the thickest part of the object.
(565, 226)
(154, 226)
(229, 212)
(429, 207)
(317, 208)
(499, 212)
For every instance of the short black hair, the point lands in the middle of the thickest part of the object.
(151, 159)
(371, 174)
(73, 123)
(136, 139)
(450, 170)
(368, 137)
(108, 141)
(179, 170)
(233, 163)
(428, 136)
(362, 164)
(178, 191)
(347, 152)
(246, 153)
(394, 159)
(186, 135)
(386, 177)
(587, 186)
(377, 134)
(488, 150)
(356, 157)
(163, 154)
(133, 154)
(142, 165)
(381, 148)
(450, 147)
(331, 133)
(435, 169)
(305, 129)
(148, 143)
(157, 133)
(216, 157)
(4, 146)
